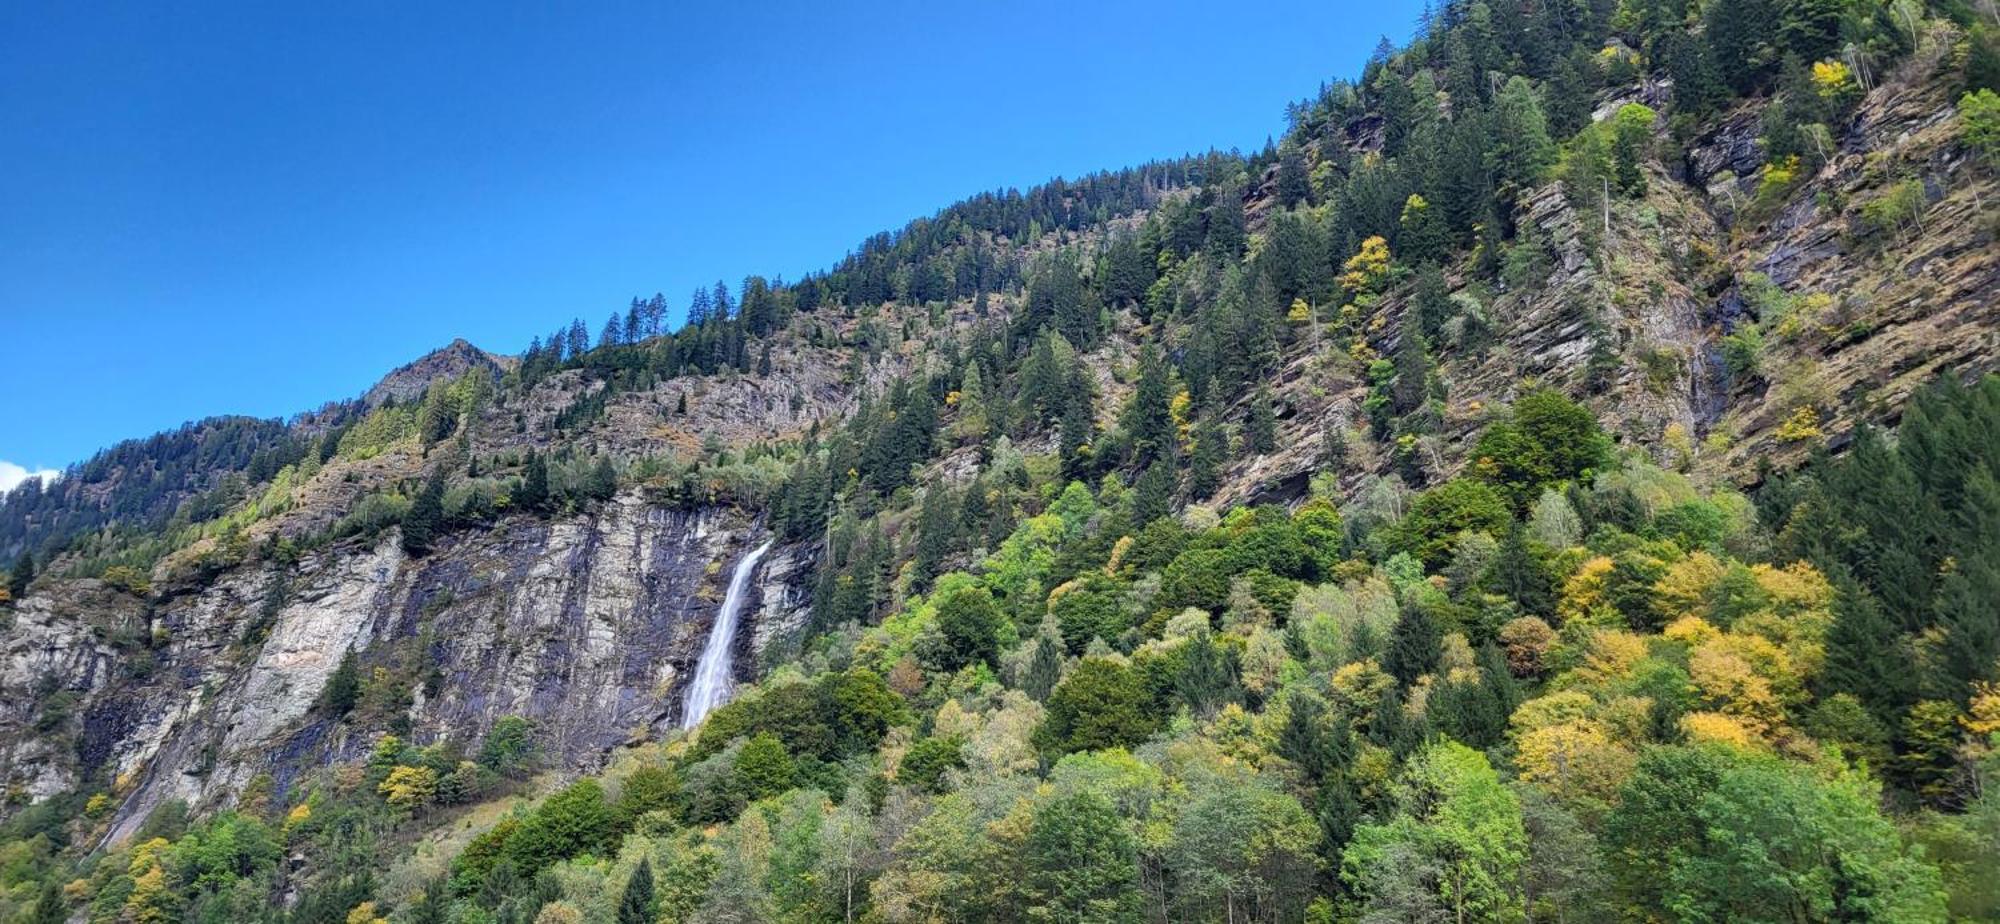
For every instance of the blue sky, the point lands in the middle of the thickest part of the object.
(256, 208)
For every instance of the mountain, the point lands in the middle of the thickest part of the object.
(1557, 479)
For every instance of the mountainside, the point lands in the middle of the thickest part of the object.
(1560, 479)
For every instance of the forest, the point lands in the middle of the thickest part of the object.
(1529, 670)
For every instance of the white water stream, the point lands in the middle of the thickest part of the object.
(711, 685)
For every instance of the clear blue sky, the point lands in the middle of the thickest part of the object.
(255, 208)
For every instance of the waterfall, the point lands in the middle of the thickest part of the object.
(710, 687)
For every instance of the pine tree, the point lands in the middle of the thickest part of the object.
(1423, 237)
(343, 687)
(1416, 373)
(1517, 575)
(1226, 223)
(1968, 609)
(1735, 34)
(1211, 450)
(636, 906)
(533, 495)
(425, 516)
(1044, 667)
(1861, 657)
(1078, 427)
(1153, 493)
(1294, 184)
(937, 527)
(1413, 644)
(1521, 135)
(1149, 421)
(603, 480)
(1260, 424)
(21, 576)
(1431, 301)
(49, 906)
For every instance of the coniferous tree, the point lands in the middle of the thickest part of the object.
(936, 527)
(1518, 575)
(1294, 181)
(1149, 421)
(1431, 301)
(602, 482)
(1226, 224)
(636, 905)
(1413, 644)
(1211, 450)
(533, 494)
(1078, 425)
(343, 687)
(1416, 373)
(1153, 493)
(1423, 237)
(1860, 653)
(1260, 424)
(22, 574)
(1735, 31)
(425, 516)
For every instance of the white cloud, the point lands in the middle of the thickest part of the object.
(11, 475)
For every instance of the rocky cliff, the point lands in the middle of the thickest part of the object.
(585, 625)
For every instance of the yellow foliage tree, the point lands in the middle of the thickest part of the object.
(1716, 728)
(1576, 761)
(409, 788)
(1688, 588)
(1369, 266)
(1744, 677)
(1614, 653)
(1583, 595)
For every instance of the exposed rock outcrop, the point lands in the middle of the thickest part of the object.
(586, 625)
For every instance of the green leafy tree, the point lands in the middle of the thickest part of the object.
(509, 748)
(1979, 113)
(1101, 704)
(575, 821)
(1456, 825)
(970, 621)
(1546, 439)
(1777, 839)
(764, 768)
(1082, 862)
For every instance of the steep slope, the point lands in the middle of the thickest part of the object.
(1216, 491)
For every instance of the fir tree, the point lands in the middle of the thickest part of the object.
(1518, 575)
(22, 574)
(1860, 647)
(533, 494)
(1211, 450)
(1260, 424)
(1153, 493)
(1413, 644)
(425, 516)
(1148, 421)
(343, 687)
(637, 906)
(1044, 666)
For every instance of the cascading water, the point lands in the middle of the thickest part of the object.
(710, 687)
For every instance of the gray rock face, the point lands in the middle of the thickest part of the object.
(586, 626)
(451, 361)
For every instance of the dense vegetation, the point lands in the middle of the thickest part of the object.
(1559, 681)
